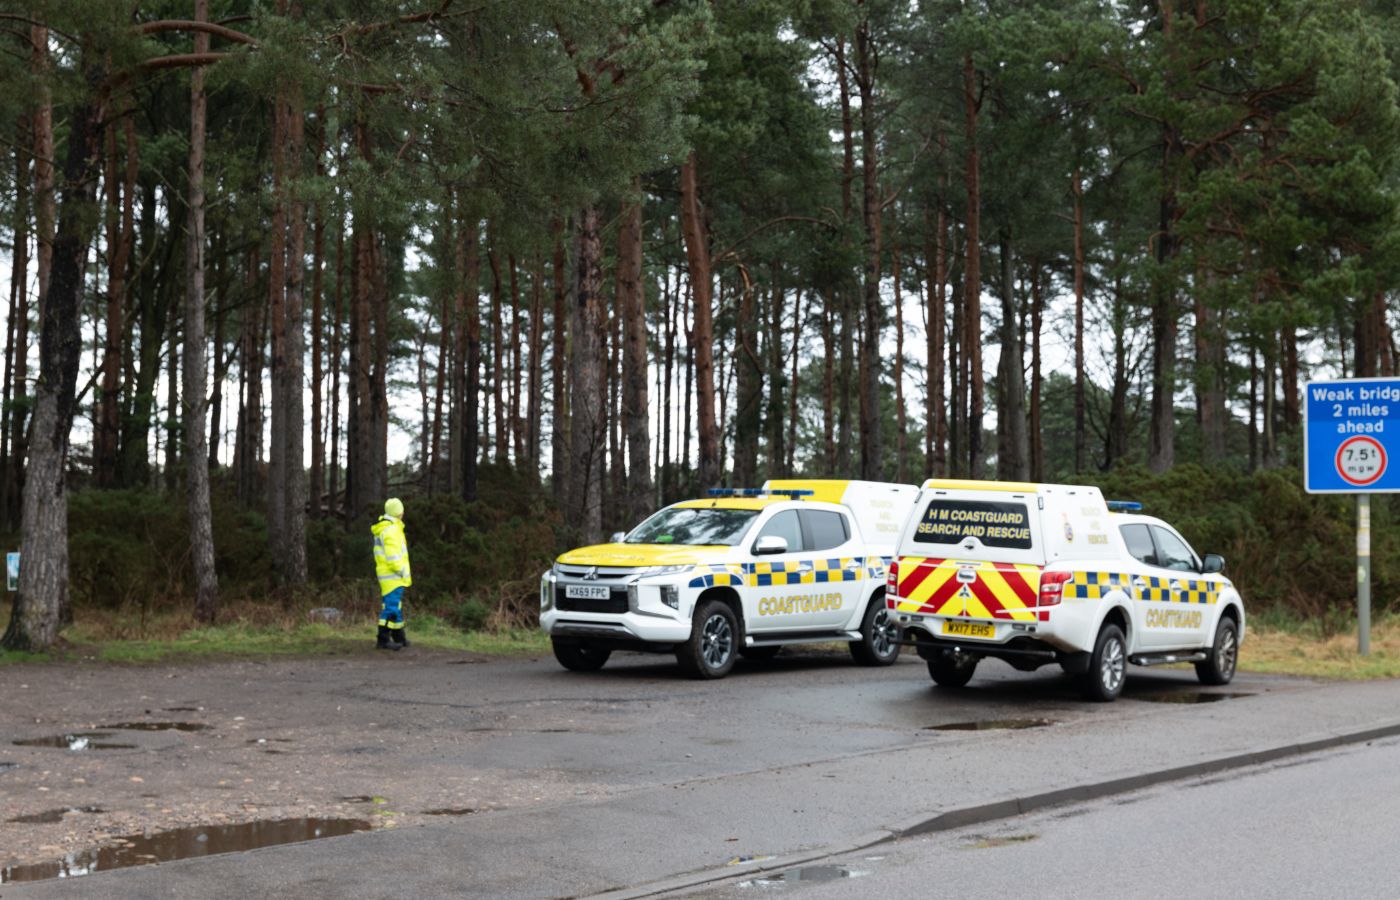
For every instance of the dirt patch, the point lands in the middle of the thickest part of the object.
(380, 739)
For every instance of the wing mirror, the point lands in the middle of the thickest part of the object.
(770, 544)
(618, 537)
(1213, 563)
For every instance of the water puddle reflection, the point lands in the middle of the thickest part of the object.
(157, 726)
(78, 740)
(451, 811)
(1189, 697)
(991, 725)
(806, 874)
(183, 843)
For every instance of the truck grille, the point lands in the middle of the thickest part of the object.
(615, 603)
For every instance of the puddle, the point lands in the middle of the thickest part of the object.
(78, 740)
(1189, 697)
(50, 816)
(157, 726)
(182, 709)
(451, 811)
(806, 874)
(183, 843)
(269, 740)
(7, 766)
(991, 725)
(1005, 840)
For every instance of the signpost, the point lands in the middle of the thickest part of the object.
(1351, 437)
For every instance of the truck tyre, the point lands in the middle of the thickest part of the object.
(952, 670)
(1219, 667)
(1108, 666)
(713, 644)
(876, 646)
(580, 657)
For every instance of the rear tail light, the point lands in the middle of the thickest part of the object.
(1052, 587)
(892, 579)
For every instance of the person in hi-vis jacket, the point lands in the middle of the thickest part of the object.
(391, 565)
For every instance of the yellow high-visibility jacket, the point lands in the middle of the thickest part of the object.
(390, 555)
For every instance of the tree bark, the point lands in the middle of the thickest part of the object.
(119, 233)
(43, 578)
(468, 266)
(697, 249)
(1013, 448)
(318, 259)
(535, 389)
(972, 292)
(1037, 468)
(206, 604)
(1081, 425)
(899, 414)
(872, 461)
(936, 405)
(559, 410)
(636, 411)
(748, 386)
(588, 397)
(16, 402)
(294, 351)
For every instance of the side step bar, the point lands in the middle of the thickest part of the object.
(800, 637)
(1162, 659)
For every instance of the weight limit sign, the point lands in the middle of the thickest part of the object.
(1351, 430)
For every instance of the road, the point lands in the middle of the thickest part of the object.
(1322, 825)
(630, 780)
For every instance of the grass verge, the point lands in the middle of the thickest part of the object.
(179, 639)
(1310, 653)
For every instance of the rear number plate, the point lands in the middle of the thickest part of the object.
(586, 591)
(970, 629)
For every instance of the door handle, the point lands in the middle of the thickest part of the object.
(1139, 582)
(853, 565)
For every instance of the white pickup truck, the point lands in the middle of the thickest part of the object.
(1051, 573)
(743, 572)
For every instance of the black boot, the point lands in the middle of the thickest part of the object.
(401, 636)
(385, 641)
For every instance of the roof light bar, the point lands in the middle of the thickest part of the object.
(1124, 506)
(794, 493)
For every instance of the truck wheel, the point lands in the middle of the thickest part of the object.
(876, 646)
(713, 644)
(1108, 666)
(1219, 667)
(580, 657)
(952, 670)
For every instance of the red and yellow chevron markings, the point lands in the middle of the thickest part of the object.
(983, 590)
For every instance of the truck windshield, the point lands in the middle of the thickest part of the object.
(692, 525)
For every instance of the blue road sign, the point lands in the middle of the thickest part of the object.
(1351, 436)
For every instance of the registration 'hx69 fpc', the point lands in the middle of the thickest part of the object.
(743, 572)
(1047, 573)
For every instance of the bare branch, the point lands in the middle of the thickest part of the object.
(227, 34)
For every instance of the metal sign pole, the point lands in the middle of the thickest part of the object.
(1363, 573)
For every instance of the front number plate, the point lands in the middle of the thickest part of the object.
(970, 629)
(586, 591)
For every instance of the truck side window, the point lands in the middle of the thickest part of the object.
(825, 529)
(1139, 543)
(786, 526)
(1172, 552)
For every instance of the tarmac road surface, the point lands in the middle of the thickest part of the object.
(648, 783)
(1322, 825)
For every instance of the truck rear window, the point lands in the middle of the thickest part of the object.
(994, 524)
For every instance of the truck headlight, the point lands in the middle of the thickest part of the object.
(664, 570)
(546, 593)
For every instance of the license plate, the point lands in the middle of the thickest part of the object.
(586, 591)
(970, 629)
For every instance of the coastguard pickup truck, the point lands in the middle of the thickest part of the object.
(1034, 574)
(740, 573)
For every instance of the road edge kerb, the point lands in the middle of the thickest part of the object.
(1000, 809)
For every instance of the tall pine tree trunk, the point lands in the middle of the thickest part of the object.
(1081, 423)
(43, 579)
(1013, 448)
(559, 410)
(294, 353)
(206, 604)
(17, 340)
(588, 395)
(972, 291)
(697, 250)
(872, 460)
(635, 409)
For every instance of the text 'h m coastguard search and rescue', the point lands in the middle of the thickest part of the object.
(1352, 436)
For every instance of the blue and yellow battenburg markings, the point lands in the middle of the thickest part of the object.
(769, 574)
(1097, 585)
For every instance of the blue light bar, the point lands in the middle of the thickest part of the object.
(760, 492)
(1124, 506)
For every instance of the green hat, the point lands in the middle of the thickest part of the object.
(393, 507)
